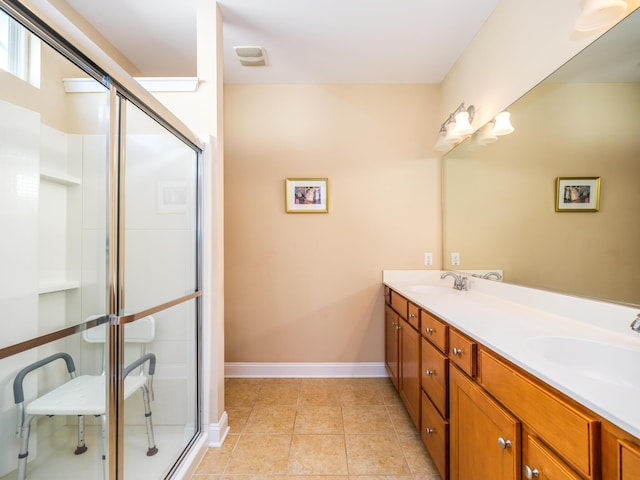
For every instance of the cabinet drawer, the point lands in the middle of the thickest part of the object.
(434, 330)
(399, 304)
(568, 431)
(462, 352)
(435, 376)
(628, 461)
(541, 463)
(413, 315)
(435, 435)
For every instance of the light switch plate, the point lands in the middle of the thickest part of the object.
(455, 259)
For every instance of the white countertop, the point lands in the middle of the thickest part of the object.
(582, 347)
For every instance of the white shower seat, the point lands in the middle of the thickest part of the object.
(86, 394)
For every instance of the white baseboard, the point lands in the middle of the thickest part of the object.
(218, 431)
(307, 370)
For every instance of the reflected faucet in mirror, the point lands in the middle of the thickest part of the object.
(489, 275)
(459, 282)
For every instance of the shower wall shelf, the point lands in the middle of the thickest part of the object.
(61, 179)
(61, 286)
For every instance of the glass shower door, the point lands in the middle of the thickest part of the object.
(160, 280)
(54, 255)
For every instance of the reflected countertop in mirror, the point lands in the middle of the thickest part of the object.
(499, 198)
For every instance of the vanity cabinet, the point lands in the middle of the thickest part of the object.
(481, 416)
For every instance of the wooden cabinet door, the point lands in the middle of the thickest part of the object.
(540, 463)
(629, 461)
(485, 439)
(410, 349)
(391, 334)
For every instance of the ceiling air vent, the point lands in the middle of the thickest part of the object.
(251, 56)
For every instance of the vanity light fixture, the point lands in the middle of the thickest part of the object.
(456, 127)
(597, 14)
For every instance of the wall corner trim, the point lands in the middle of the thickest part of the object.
(307, 370)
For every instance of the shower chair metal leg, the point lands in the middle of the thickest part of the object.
(103, 426)
(147, 417)
(24, 433)
(81, 448)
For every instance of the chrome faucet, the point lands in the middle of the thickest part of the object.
(459, 282)
(635, 325)
(488, 275)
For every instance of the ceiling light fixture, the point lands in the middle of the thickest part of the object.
(597, 14)
(251, 56)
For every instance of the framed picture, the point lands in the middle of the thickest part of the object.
(307, 195)
(577, 194)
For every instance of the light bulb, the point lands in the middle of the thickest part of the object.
(462, 125)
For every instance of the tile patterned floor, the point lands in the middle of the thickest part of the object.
(311, 429)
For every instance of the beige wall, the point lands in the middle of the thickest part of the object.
(307, 287)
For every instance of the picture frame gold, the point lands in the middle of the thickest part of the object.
(307, 195)
(577, 194)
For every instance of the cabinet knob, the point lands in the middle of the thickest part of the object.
(411, 315)
(456, 351)
(394, 324)
(429, 330)
(430, 430)
(504, 444)
(428, 373)
(530, 472)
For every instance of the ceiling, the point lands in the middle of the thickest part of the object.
(306, 41)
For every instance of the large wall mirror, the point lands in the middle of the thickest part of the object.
(499, 199)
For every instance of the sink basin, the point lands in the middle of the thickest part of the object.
(433, 289)
(602, 361)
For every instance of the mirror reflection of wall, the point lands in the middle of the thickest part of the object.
(499, 200)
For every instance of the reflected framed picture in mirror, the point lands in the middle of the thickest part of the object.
(577, 194)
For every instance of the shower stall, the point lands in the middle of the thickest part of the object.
(100, 207)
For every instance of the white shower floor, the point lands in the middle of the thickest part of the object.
(62, 464)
